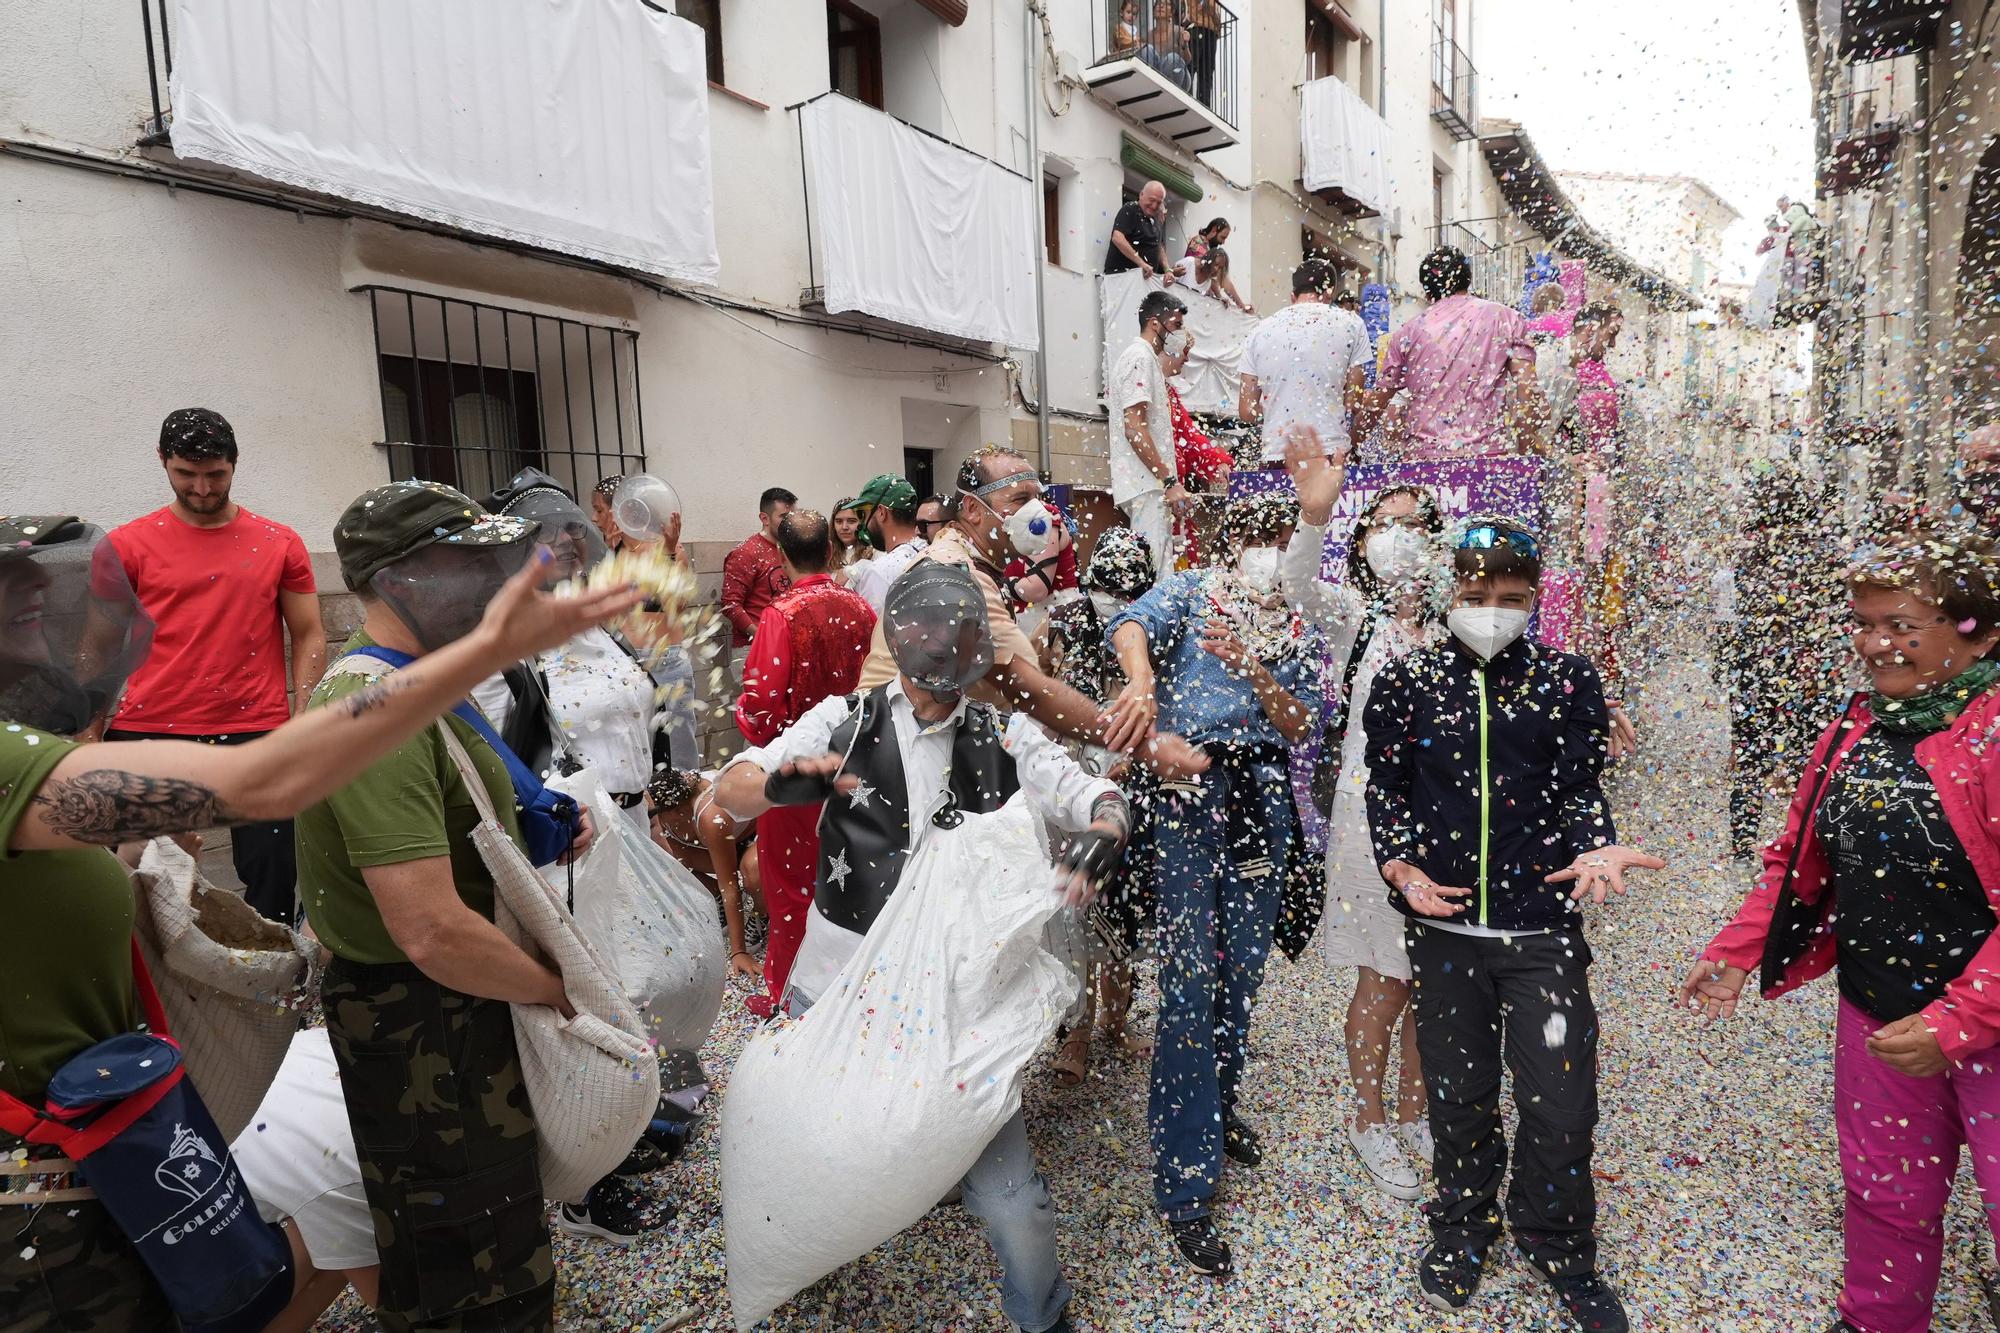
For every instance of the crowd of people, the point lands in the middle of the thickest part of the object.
(910, 666)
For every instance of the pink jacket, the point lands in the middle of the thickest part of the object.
(1964, 766)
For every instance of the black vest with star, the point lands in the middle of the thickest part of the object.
(864, 842)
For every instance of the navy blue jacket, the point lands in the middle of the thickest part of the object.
(1486, 776)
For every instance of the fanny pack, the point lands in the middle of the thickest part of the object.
(125, 1113)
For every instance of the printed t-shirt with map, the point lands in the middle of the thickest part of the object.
(66, 945)
(409, 806)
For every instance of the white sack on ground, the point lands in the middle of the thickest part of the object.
(914, 230)
(650, 919)
(1214, 370)
(842, 1129)
(579, 126)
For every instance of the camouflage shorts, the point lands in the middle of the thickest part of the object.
(67, 1266)
(446, 1140)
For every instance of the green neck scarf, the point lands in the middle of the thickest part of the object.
(1938, 707)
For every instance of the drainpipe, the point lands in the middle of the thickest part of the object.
(1926, 365)
(1382, 273)
(1034, 109)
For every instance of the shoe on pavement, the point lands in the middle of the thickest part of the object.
(1448, 1276)
(1416, 1136)
(609, 1213)
(1380, 1153)
(1591, 1303)
(1202, 1246)
(1240, 1142)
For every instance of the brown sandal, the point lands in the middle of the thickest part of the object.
(1072, 1059)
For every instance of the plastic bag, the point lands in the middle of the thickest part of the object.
(651, 920)
(844, 1127)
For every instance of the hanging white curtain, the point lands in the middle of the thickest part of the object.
(1214, 370)
(579, 126)
(911, 229)
(1344, 144)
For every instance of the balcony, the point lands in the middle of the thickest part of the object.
(579, 130)
(1879, 29)
(1499, 268)
(1454, 87)
(1172, 68)
(1343, 149)
(908, 229)
(1861, 158)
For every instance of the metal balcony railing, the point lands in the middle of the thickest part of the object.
(1454, 86)
(1499, 272)
(1189, 43)
(159, 71)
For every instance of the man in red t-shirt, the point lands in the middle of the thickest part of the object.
(810, 645)
(223, 586)
(753, 575)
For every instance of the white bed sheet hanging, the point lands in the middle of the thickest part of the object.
(1214, 370)
(1343, 144)
(915, 230)
(578, 126)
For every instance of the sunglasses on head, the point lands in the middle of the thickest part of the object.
(1491, 537)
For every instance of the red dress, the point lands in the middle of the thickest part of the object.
(1195, 459)
(810, 645)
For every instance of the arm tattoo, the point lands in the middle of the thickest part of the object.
(107, 806)
(370, 697)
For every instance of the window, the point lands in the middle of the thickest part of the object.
(1438, 192)
(1444, 34)
(1052, 219)
(854, 52)
(707, 15)
(1326, 46)
(920, 470)
(473, 393)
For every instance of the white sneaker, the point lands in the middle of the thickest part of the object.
(1378, 1150)
(1416, 1136)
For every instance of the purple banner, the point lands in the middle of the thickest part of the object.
(1509, 486)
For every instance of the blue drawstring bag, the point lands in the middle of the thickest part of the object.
(124, 1111)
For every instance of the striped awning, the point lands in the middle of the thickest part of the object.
(951, 11)
(1159, 167)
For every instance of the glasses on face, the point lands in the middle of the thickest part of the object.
(1893, 627)
(1491, 537)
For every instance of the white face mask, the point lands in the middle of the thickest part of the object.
(1486, 630)
(1257, 566)
(1031, 529)
(1106, 605)
(1397, 555)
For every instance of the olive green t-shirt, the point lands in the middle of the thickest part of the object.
(65, 934)
(406, 807)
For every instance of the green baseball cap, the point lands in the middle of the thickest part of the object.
(887, 489)
(391, 522)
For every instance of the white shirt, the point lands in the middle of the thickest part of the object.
(1301, 356)
(297, 1156)
(1136, 378)
(602, 700)
(1058, 787)
(871, 578)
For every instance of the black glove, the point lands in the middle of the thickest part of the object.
(798, 788)
(1094, 852)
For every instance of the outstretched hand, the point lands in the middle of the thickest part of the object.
(1317, 477)
(1712, 989)
(523, 620)
(1600, 871)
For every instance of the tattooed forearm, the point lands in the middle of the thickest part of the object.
(107, 806)
(371, 697)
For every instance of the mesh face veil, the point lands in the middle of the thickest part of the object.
(440, 591)
(934, 619)
(566, 530)
(71, 629)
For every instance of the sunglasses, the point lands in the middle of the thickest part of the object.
(1491, 537)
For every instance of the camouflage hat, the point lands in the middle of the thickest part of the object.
(887, 489)
(20, 534)
(391, 522)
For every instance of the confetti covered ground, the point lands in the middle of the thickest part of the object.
(1718, 1186)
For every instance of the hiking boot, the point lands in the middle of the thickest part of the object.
(610, 1213)
(1202, 1246)
(1448, 1275)
(1591, 1303)
(1240, 1142)
(1380, 1153)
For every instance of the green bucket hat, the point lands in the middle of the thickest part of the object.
(887, 489)
(392, 522)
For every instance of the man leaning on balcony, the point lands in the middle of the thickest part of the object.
(1135, 236)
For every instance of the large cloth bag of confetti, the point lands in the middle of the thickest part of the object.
(650, 919)
(843, 1127)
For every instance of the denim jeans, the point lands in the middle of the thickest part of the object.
(1005, 1190)
(1222, 859)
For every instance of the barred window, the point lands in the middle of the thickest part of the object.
(472, 393)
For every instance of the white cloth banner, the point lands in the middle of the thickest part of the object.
(579, 126)
(1343, 144)
(918, 231)
(1215, 367)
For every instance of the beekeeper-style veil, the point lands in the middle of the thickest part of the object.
(567, 531)
(73, 628)
(934, 619)
(431, 555)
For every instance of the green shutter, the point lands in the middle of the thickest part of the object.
(1153, 166)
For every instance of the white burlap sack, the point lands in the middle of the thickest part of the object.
(232, 982)
(649, 918)
(593, 1079)
(841, 1129)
